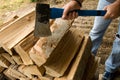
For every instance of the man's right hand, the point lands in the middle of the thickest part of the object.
(72, 5)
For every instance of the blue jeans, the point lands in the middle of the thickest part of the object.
(96, 35)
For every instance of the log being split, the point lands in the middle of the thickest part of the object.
(64, 52)
(77, 68)
(44, 46)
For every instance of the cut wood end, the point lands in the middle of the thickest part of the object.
(51, 72)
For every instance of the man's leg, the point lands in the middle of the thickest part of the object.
(99, 28)
(113, 61)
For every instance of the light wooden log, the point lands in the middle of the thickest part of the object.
(32, 70)
(77, 68)
(13, 72)
(16, 31)
(3, 62)
(23, 47)
(8, 57)
(63, 54)
(43, 48)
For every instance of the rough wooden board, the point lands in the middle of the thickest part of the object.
(77, 68)
(16, 31)
(43, 48)
(8, 57)
(3, 62)
(31, 70)
(63, 54)
(23, 47)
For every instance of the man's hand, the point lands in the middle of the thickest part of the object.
(72, 5)
(113, 10)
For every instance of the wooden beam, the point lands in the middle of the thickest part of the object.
(63, 54)
(23, 47)
(16, 31)
(43, 48)
(77, 68)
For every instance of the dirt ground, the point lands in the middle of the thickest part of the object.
(85, 23)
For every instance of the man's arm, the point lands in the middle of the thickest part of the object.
(113, 10)
(72, 5)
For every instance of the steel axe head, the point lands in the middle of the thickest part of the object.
(42, 26)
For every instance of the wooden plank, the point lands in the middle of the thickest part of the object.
(3, 62)
(8, 57)
(63, 54)
(16, 31)
(43, 48)
(77, 68)
(23, 47)
(32, 70)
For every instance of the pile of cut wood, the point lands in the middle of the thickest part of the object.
(65, 55)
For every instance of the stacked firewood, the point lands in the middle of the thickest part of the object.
(65, 55)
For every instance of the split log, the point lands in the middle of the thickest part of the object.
(23, 47)
(64, 52)
(14, 73)
(75, 72)
(16, 31)
(3, 62)
(8, 57)
(43, 48)
(32, 70)
(17, 59)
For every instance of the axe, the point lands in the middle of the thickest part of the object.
(44, 13)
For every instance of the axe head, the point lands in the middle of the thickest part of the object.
(42, 26)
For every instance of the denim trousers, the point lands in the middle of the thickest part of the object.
(97, 33)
